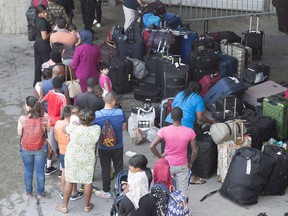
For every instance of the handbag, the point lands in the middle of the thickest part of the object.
(142, 118)
(221, 132)
(73, 85)
(139, 68)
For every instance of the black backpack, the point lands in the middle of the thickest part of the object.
(247, 175)
(31, 16)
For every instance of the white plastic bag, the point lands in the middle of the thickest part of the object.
(151, 134)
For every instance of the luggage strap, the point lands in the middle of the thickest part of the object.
(208, 195)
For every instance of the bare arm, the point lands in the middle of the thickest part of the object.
(19, 128)
(106, 87)
(202, 117)
(194, 148)
(153, 145)
(123, 126)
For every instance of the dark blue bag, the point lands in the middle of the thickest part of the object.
(227, 65)
(172, 20)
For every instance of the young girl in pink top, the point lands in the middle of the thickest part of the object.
(104, 80)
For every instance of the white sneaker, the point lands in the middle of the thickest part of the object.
(95, 21)
(102, 194)
(98, 25)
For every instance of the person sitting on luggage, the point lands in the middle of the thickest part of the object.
(162, 184)
(104, 80)
(130, 11)
(193, 107)
(139, 179)
(176, 149)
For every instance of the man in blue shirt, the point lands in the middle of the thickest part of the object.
(117, 119)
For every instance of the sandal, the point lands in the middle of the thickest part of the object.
(60, 208)
(200, 181)
(89, 208)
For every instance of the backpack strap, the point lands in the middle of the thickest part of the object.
(110, 115)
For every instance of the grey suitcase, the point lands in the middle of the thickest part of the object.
(254, 95)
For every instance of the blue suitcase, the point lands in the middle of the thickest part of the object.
(224, 87)
(227, 65)
(186, 43)
(172, 20)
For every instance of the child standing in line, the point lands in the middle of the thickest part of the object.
(104, 80)
(56, 102)
(73, 30)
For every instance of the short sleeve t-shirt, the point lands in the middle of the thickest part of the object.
(105, 79)
(56, 102)
(131, 4)
(42, 25)
(194, 103)
(117, 118)
(89, 100)
(175, 144)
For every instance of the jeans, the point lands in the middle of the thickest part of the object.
(116, 155)
(34, 160)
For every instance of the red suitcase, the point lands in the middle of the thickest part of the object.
(208, 81)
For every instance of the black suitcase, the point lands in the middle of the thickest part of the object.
(259, 128)
(205, 164)
(254, 39)
(131, 43)
(247, 175)
(277, 182)
(120, 73)
(175, 77)
(256, 73)
(107, 51)
(202, 62)
(147, 93)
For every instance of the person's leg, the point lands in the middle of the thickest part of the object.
(28, 160)
(53, 146)
(117, 159)
(40, 159)
(38, 63)
(62, 162)
(67, 192)
(87, 194)
(129, 15)
(181, 176)
(98, 11)
(105, 161)
(90, 15)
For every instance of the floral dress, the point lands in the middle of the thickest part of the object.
(80, 156)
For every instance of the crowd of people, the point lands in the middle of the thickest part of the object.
(71, 128)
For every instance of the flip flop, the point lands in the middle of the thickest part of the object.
(61, 209)
(200, 181)
(89, 208)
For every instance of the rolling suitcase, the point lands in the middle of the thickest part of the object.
(243, 54)
(255, 94)
(224, 87)
(277, 108)
(277, 181)
(208, 81)
(247, 175)
(147, 93)
(227, 149)
(227, 65)
(120, 72)
(186, 42)
(205, 164)
(175, 77)
(202, 62)
(254, 39)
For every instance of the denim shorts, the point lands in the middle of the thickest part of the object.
(62, 159)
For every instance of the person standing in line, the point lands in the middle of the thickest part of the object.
(106, 153)
(55, 12)
(33, 159)
(104, 80)
(42, 47)
(97, 21)
(80, 158)
(86, 59)
(88, 13)
(176, 149)
(63, 141)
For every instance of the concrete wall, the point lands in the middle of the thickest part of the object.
(12, 16)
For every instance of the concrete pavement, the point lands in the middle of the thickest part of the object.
(16, 77)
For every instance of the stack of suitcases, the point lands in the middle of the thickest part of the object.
(235, 88)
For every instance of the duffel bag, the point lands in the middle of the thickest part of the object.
(139, 68)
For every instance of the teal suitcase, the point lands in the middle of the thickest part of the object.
(277, 108)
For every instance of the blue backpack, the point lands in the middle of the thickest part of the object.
(177, 205)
